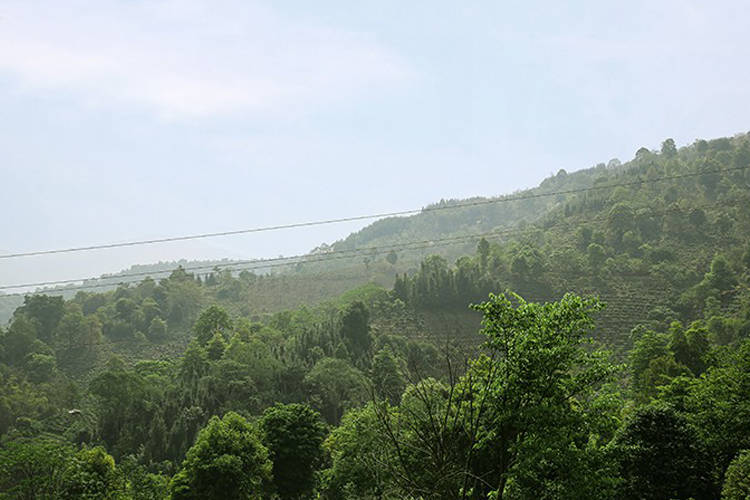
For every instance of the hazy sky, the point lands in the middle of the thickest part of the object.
(135, 119)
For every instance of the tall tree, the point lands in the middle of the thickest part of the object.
(228, 460)
(212, 320)
(668, 148)
(355, 329)
(45, 311)
(293, 434)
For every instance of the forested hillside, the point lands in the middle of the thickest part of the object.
(373, 254)
(588, 338)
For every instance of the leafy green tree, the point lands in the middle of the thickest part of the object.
(648, 225)
(583, 237)
(212, 320)
(710, 179)
(642, 153)
(660, 457)
(141, 484)
(689, 347)
(216, 346)
(45, 311)
(124, 403)
(293, 434)
(91, 474)
(150, 308)
(596, 255)
(125, 309)
(182, 298)
(335, 385)
(427, 440)
(33, 468)
(526, 266)
(719, 406)
(652, 364)
(519, 424)
(668, 148)
(697, 217)
(359, 458)
(228, 460)
(189, 421)
(483, 249)
(355, 328)
(41, 367)
(737, 478)
(192, 367)
(387, 375)
(157, 329)
(621, 218)
(392, 257)
(536, 383)
(720, 277)
(19, 340)
(71, 329)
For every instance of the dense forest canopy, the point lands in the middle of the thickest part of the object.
(589, 339)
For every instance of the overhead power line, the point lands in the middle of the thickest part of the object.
(361, 217)
(307, 258)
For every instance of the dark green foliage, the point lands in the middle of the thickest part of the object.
(355, 329)
(668, 148)
(140, 484)
(660, 457)
(216, 346)
(124, 409)
(33, 468)
(91, 474)
(20, 340)
(737, 478)
(359, 457)
(293, 435)
(211, 321)
(41, 367)
(387, 376)
(228, 460)
(335, 385)
(720, 277)
(45, 311)
(690, 347)
(392, 257)
(719, 406)
(483, 250)
(157, 329)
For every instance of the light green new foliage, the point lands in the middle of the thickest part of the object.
(534, 393)
(360, 456)
(91, 475)
(227, 460)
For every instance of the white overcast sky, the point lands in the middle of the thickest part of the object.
(136, 119)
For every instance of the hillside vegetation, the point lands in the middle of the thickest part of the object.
(605, 355)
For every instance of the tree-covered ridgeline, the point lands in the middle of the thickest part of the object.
(181, 387)
(705, 175)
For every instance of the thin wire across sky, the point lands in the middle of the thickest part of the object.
(436, 208)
